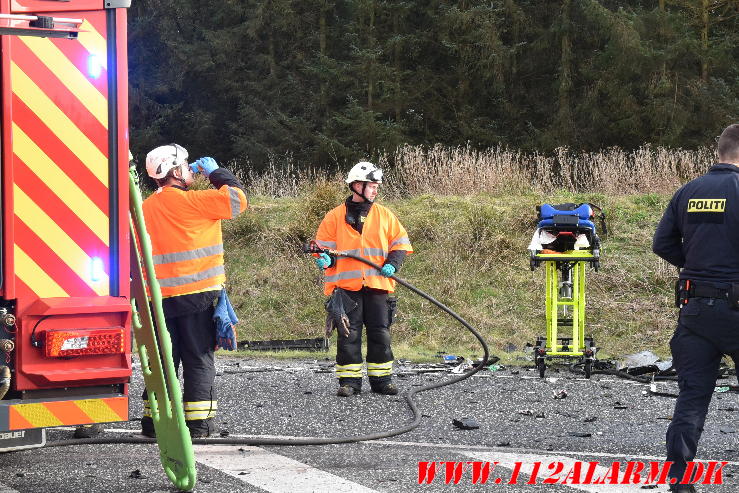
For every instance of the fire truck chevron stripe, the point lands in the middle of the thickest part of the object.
(69, 251)
(31, 241)
(35, 277)
(35, 414)
(59, 123)
(64, 99)
(98, 410)
(93, 42)
(73, 79)
(60, 413)
(63, 186)
(68, 162)
(57, 209)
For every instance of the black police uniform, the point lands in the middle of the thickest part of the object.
(699, 232)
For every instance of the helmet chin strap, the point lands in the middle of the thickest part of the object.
(361, 194)
(180, 179)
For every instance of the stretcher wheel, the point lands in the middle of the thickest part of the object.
(542, 366)
(588, 368)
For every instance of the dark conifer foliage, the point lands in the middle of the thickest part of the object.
(324, 82)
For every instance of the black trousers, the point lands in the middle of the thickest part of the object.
(193, 339)
(373, 313)
(708, 328)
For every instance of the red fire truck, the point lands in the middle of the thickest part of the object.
(65, 313)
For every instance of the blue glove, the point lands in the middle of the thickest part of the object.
(206, 165)
(323, 261)
(225, 318)
(387, 270)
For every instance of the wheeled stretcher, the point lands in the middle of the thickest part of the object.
(565, 241)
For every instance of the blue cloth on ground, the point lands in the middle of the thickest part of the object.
(225, 318)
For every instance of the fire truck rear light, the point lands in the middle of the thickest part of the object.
(83, 342)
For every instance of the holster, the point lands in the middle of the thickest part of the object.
(682, 292)
(734, 296)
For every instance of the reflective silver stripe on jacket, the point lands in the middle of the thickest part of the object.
(353, 251)
(326, 244)
(366, 252)
(167, 258)
(235, 201)
(375, 252)
(172, 282)
(402, 240)
(372, 272)
(350, 274)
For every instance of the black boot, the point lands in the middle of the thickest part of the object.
(147, 427)
(88, 431)
(347, 390)
(387, 389)
(684, 488)
(201, 428)
(349, 386)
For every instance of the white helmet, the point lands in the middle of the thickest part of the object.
(164, 158)
(364, 171)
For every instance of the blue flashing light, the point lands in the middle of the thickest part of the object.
(94, 66)
(97, 270)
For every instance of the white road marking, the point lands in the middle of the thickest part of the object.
(7, 489)
(509, 460)
(272, 472)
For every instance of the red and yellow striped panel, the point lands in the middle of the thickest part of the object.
(60, 162)
(62, 413)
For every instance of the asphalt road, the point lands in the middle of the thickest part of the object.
(563, 419)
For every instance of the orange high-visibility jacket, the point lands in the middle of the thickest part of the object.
(381, 234)
(186, 238)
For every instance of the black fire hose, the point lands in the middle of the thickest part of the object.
(313, 248)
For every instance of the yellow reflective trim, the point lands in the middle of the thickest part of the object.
(193, 415)
(35, 277)
(74, 138)
(98, 410)
(93, 42)
(38, 415)
(70, 76)
(63, 186)
(380, 365)
(349, 373)
(69, 251)
(200, 405)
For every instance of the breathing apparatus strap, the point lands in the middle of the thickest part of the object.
(361, 194)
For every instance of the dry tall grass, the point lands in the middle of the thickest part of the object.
(470, 215)
(440, 170)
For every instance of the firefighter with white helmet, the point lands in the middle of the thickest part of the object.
(372, 231)
(187, 250)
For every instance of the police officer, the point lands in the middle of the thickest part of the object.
(699, 233)
(368, 229)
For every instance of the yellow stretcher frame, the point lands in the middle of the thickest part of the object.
(553, 346)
